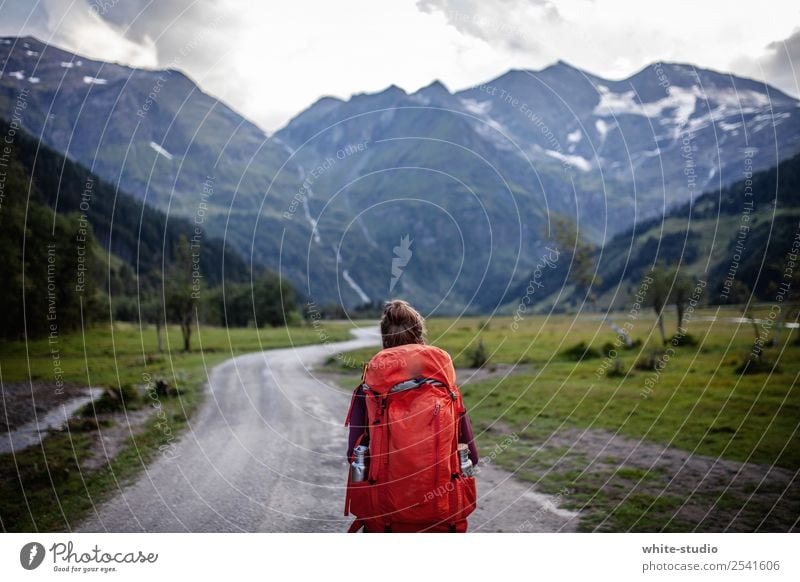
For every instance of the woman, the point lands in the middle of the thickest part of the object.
(408, 411)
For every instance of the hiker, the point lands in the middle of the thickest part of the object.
(408, 412)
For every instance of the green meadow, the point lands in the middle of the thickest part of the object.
(551, 376)
(45, 487)
(541, 382)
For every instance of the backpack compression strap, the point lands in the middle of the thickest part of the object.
(410, 385)
(413, 383)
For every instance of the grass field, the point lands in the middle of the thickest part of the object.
(553, 384)
(696, 402)
(44, 488)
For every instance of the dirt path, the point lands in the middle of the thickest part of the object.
(265, 453)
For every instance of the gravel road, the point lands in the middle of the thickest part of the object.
(266, 453)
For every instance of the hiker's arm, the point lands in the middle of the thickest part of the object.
(358, 420)
(465, 436)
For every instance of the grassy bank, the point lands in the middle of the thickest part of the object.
(47, 488)
(696, 402)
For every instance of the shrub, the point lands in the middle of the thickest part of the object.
(82, 424)
(756, 364)
(607, 347)
(581, 351)
(616, 370)
(637, 343)
(115, 399)
(478, 357)
(649, 362)
(683, 340)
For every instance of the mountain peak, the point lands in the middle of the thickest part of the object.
(435, 85)
(562, 64)
(564, 70)
(21, 39)
(392, 90)
(434, 89)
(327, 100)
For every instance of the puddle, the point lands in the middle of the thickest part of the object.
(786, 324)
(31, 433)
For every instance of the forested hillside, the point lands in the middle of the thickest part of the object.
(75, 247)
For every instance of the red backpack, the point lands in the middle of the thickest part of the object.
(414, 480)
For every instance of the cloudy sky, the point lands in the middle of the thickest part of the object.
(271, 59)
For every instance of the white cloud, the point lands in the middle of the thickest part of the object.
(504, 23)
(74, 26)
(778, 64)
(270, 60)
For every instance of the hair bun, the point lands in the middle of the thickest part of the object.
(401, 324)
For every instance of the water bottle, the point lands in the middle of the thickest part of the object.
(358, 468)
(466, 464)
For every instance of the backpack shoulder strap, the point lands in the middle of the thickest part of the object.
(355, 395)
(459, 401)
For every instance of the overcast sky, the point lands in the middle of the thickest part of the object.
(271, 59)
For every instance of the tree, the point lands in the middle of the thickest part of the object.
(657, 293)
(183, 289)
(681, 292)
(739, 293)
(582, 273)
(153, 312)
(273, 300)
(268, 300)
(47, 266)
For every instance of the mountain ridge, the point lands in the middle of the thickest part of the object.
(472, 176)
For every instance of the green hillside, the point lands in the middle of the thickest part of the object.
(736, 239)
(741, 233)
(72, 242)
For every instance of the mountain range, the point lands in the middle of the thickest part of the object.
(467, 179)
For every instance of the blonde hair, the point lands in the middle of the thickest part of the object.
(401, 324)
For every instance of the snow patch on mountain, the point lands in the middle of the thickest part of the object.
(679, 107)
(683, 101)
(160, 150)
(579, 162)
(312, 221)
(737, 100)
(603, 127)
(488, 127)
(495, 132)
(421, 99)
(479, 108)
(354, 286)
(726, 126)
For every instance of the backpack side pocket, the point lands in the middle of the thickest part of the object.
(464, 498)
(358, 501)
